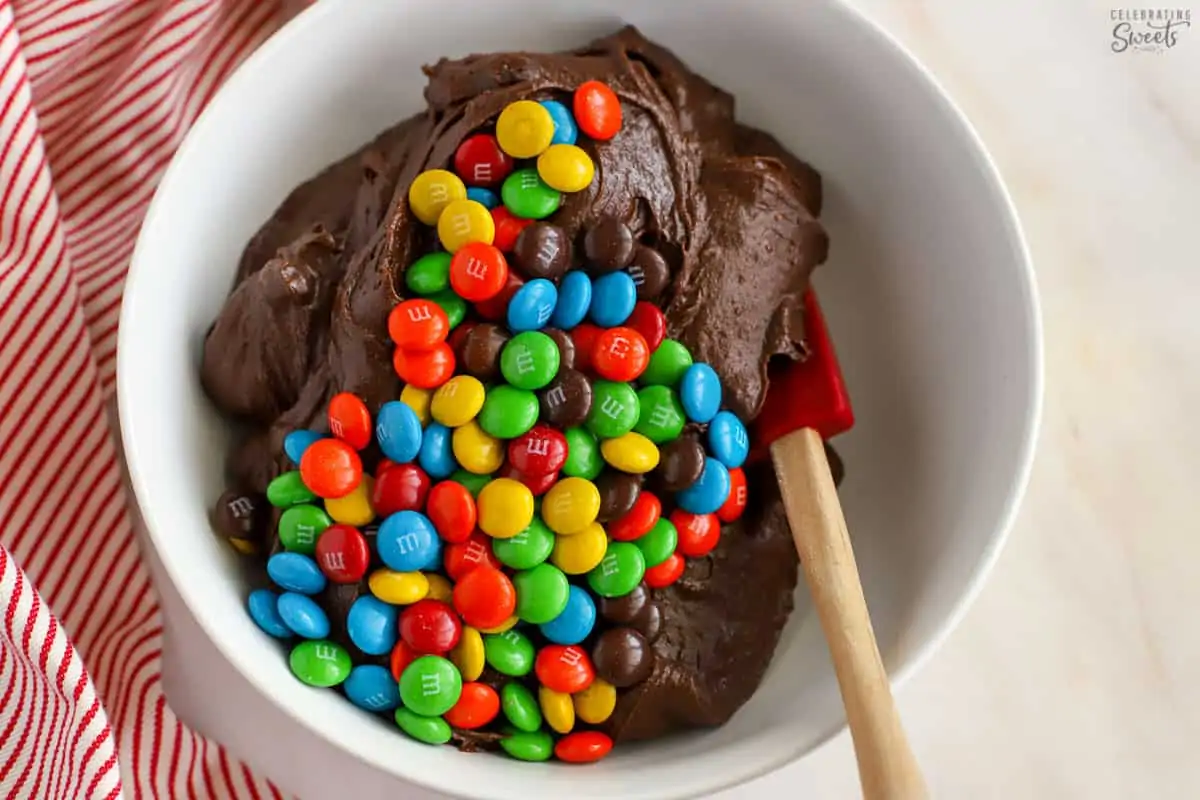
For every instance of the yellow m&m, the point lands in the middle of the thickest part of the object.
(566, 168)
(571, 505)
(468, 654)
(433, 190)
(596, 703)
(524, 129)
(632, 453)
(580, 552)
(398, 588)
(505, 508)
(457, 401)
(418, 400)
(463, 222)
(475, 451)
(354, 508)
(557, 709)
(439, 588)
(503, 627)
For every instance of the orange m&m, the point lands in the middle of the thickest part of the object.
(349, 420)
(735, 504)
(663, 575)
(418, 324)
(597, 110)
(477, 706)
(485, 598)
(620, 354)
(637, 521)
(564, 668)
(582, 747)
(330, 468)
(478, 272)
(425, 369)
(698, 533)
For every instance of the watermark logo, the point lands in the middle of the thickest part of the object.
(1148, 30)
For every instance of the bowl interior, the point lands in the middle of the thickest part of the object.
(928, 294)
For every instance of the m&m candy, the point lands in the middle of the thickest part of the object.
(514, 524)
(465, 222)
(524, 129)
(481, 161)
(597, 110)
(433, 190)
(565, 129)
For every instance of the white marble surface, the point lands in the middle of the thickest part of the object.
(1075, 673)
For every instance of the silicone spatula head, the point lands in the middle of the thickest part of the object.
(806, 394)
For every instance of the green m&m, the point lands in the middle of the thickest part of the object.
(529, 745)
(619, 572)
(473, 482)
(667, 365)
(430, 730)
(615, 409)
(528, 548)
(659, 543)
(520, 707)
(527, 196)
(300, 526)
(661, 416)
(509, 653)
(430, 686)
(429, 274)
(508, 411)
(529, 360)
(583, 454)
(321, 663)
(454, 306)
(542, 593)
(288, 489)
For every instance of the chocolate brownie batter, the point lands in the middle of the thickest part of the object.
(732, 213)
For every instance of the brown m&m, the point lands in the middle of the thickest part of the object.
(567, 401)
(542, 251)
(608, 245)
(623, 657)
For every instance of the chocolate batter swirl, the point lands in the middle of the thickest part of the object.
(731, 210)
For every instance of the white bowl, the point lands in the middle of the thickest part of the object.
(929, 294)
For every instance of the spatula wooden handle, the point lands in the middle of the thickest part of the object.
(886, 765)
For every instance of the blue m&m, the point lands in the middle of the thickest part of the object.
(372, 687)
(485, 197)
(532, 306)
(613, 298)
(372, 625)
(575, 622)
(565, 129)
(437, 451)
(728, 439)
(303, 616)
(263, 608)
(700, 393)
(295, 572)
(574, 300)
(296, 442)
(408, 542)
(398, 430)
(709, 492)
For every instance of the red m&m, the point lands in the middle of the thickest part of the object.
(342, 554)
(648, 320)
(452, 511)
(479, 161)
(401, 487)
(541, 450)
(698, 533)
(476, 551)
(638, 521)
(663, 575)
(430, 626)
(508, 228)
(735, 504)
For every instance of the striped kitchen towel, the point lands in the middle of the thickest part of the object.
(95, 95)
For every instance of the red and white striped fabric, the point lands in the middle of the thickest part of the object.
(95, 95)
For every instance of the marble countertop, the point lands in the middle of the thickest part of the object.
(1074, 675)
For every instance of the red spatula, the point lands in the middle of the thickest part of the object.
(807, 403)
